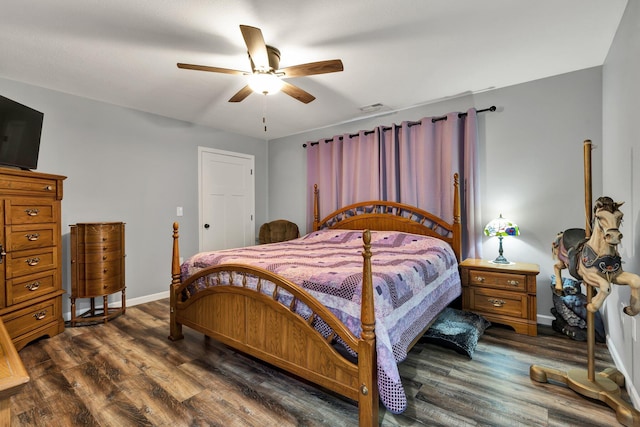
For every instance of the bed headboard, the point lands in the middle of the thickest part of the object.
(393, 216)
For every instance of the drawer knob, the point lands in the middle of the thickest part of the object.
(32, 237)
(32, 211)
(496, 302)
(479, 279)
(40, 315)
(33, 286)
(48, 188)
(513, 282)
(32, 261)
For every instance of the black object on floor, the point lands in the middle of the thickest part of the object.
(458, 330)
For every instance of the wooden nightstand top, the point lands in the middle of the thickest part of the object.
(520, 267)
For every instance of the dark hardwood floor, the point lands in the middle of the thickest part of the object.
(127, 373)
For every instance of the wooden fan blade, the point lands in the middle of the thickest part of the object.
(211, 69)
(241, 94)
(256, 46)
(320, 67)
(297, 93)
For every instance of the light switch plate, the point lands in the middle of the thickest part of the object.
(179, 211)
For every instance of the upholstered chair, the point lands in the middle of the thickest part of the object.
(278, 231)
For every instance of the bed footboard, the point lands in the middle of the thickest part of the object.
(258, 312)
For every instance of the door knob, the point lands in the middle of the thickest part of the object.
(206, 226)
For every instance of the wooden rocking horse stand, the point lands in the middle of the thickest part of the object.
(595, 261)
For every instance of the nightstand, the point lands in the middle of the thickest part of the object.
(502, 293)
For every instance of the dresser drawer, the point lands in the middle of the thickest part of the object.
(510, 281)
(29, 287)
(512, 304)
(30, 211)
(31, 261)
(27, 319)
(101, 233)
(23, 184)
(31, 236)
(100, 287)
(99, 256)
(102, 248)
(99, 270)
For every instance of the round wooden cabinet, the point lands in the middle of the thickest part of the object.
(97, 269)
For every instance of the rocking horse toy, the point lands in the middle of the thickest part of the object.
(593, 258)
(596, 260)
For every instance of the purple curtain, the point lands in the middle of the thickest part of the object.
(411, 163)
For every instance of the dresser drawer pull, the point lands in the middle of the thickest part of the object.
(48, 188)
(32, 261)
(32, 237)
(40, 315)
(479, 279)
(513, 282)
(33, 286)
(32, 211)
(496, 302)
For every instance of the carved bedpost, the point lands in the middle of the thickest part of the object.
(367, 361)
(457, 225)
(175, 329)
(316, 207)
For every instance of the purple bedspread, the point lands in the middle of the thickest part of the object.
(414, 278)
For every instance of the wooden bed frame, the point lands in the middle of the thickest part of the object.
(259, 325)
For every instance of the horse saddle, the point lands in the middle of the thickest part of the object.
(572, 241)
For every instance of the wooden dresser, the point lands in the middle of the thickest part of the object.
(97, 268)
(502, 293)
(30, 255)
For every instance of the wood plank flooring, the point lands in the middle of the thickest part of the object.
(127, 373)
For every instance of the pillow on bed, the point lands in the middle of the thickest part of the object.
(458, 330)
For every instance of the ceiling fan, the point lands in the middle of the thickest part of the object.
(266, 75)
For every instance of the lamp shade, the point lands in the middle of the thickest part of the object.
(501, 227)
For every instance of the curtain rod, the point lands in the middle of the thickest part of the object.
(433, 120)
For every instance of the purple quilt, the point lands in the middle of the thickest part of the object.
(414, 278)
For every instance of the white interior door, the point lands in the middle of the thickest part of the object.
(226, 183)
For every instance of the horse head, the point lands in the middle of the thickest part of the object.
(607, 218)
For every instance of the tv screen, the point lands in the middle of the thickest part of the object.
(20, 129)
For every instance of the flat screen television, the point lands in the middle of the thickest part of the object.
(20, 130)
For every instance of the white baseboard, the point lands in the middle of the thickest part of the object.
(631, 389)
(545, 319)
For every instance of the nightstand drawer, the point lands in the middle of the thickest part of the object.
(512, 304)
(489, 279)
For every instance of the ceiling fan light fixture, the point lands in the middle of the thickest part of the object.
(266, 83)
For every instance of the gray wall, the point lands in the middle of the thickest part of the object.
(621, 181)
(125, 165)
(531, 162)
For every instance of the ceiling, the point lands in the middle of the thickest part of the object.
(399, 54)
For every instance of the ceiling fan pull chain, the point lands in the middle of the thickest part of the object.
(264, 112)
